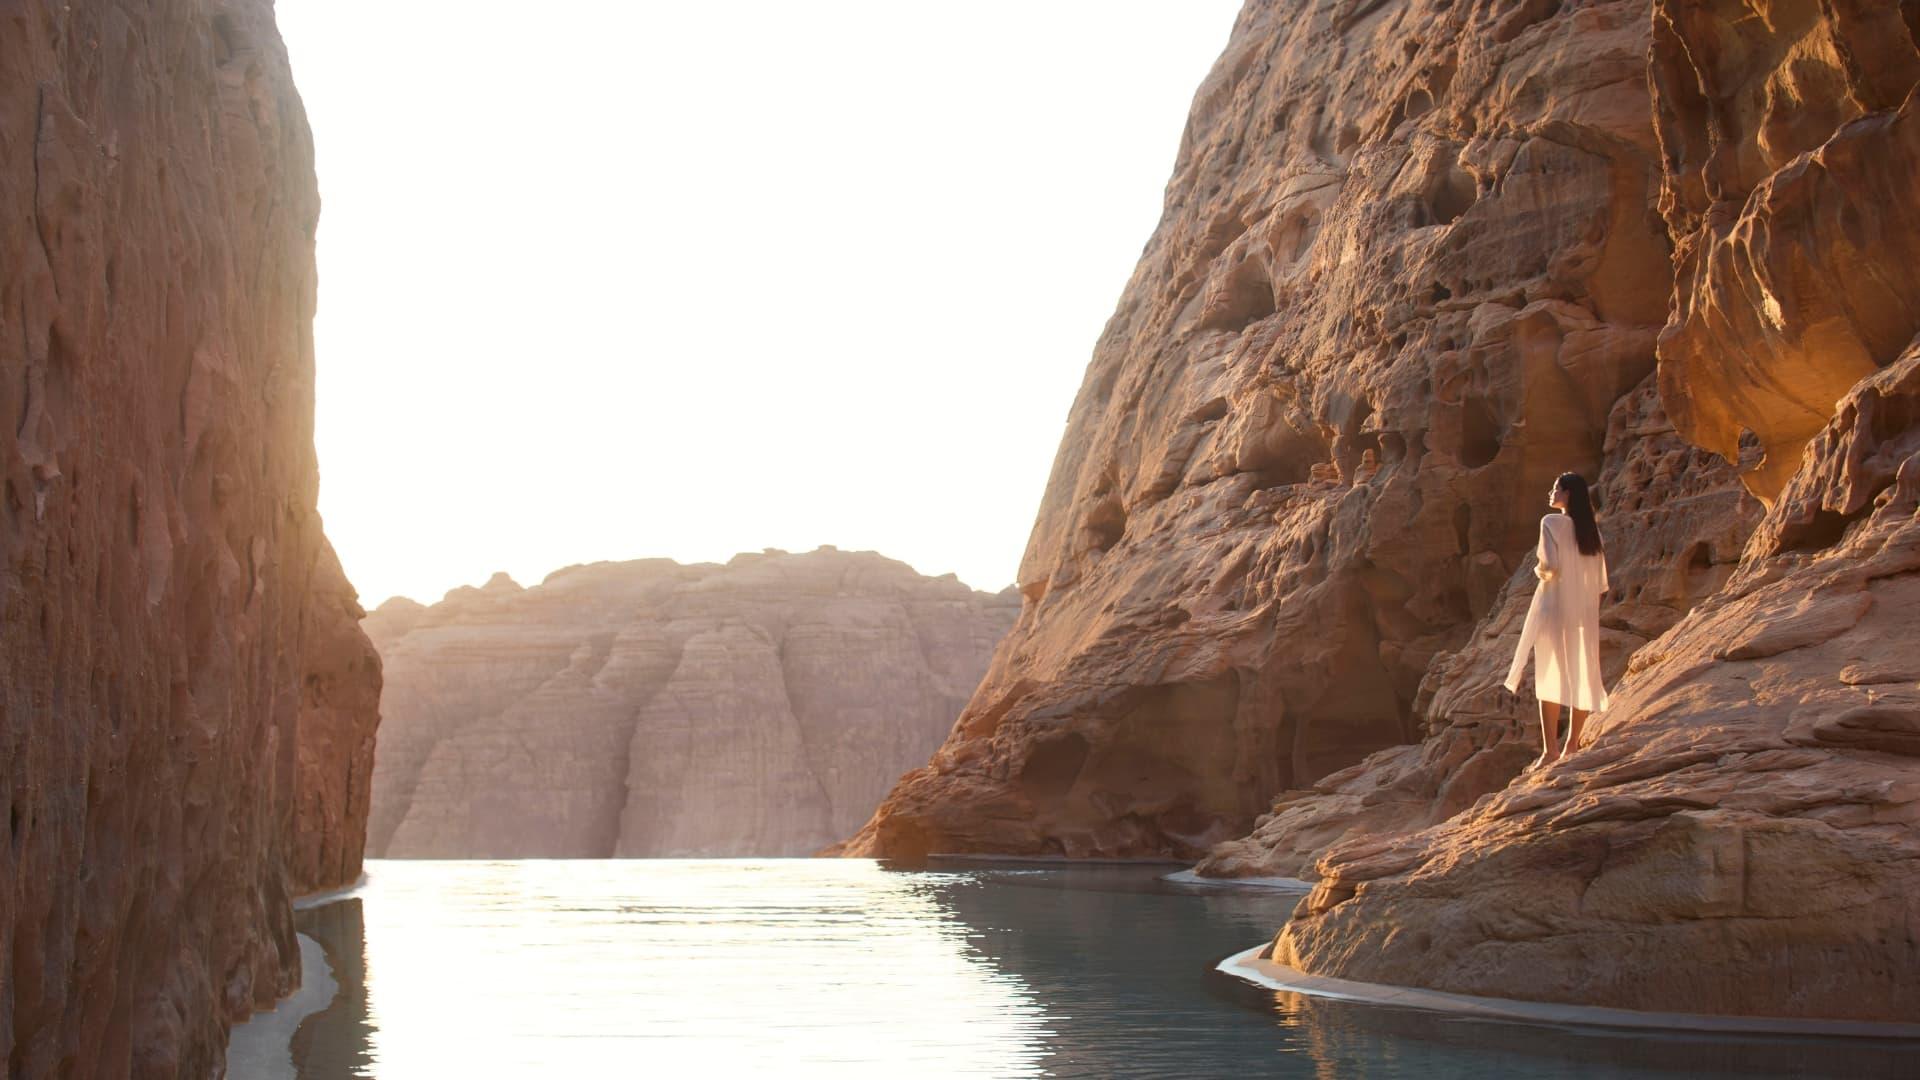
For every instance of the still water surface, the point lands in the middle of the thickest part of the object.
(843, 968)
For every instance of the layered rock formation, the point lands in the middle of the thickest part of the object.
(1741, 835)
(1416, 258)
(1676, 521)
(653, 709)
(187, 707)
(1744, 833)
(1409, 268)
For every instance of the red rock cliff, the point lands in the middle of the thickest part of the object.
(1416, 259)
(1744, 834)
(187, 705)
(1410, 268)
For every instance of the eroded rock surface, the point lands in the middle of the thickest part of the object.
(1792, 146)
(187, 706)
(1675, 519)
(653, 709)
(1741, 837)
(1416, 259)
(1744, 834)
(1409, 265)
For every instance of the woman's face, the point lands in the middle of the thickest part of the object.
(1557, 496)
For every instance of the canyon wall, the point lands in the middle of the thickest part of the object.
(648, 708)
(187, 707)
(1416, 259)
(1743, 833)
(1740, 836)
(1411, 267)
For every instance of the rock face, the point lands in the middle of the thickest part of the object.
(1410, 265)
(1791, 151)
(1675, 521)
(653, 709)
(1744, 834)
(1741, 837)
(187, 707)
(1417, 258)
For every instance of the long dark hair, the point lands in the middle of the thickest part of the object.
(1586, 532)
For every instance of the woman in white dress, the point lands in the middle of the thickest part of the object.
(1562, 632)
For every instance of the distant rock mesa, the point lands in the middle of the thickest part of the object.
(648, 708)
(187, 704)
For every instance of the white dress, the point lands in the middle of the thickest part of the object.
(1562, 632)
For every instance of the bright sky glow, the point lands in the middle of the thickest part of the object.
(627, 279)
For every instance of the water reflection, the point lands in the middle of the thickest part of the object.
(336, 1041)
(638, 968)
(844, 968)
(1121, 961)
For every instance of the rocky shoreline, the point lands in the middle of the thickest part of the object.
(1415, 260)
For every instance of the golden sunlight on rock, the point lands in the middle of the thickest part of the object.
(650, 709)
(1416, 260)
(187, 704)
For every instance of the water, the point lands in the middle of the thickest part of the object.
(843, 968)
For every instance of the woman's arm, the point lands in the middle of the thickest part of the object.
(1547, 555)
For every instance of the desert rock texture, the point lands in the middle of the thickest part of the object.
(1416, 259)
(650, 708)
(187, 704)
(1411, 268)
(1741, 835)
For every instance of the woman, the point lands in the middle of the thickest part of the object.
(1562, 632)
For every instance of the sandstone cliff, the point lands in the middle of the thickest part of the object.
(1410, 269)
(653, 709)
(1742, 834)
(187, 706)
(1417, 258)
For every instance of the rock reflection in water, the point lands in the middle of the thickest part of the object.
(337, 1041)
(845, 968)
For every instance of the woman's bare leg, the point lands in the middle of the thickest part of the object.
(1573, 729)
(1549, 734)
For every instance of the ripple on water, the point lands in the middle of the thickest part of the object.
(613, 968)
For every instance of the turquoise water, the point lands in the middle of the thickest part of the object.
(843, 968)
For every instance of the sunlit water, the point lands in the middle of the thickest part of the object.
(659, 968)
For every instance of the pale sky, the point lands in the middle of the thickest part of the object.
(615, 280)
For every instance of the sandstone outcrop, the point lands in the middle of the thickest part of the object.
(1675, 519)
(1741, 836)
(1410, 265)
(1791, 147)
(648, 708)
(187, 706)
(1416, 258)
